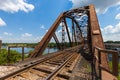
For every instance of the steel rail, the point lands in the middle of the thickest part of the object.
(29, 66)
(56, 71)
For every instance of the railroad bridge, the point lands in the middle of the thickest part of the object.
(83, 58)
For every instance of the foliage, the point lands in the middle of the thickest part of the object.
(3, 56)
(119, 72)
(112, 42)
(20, 44)
(33, 45)
(119, 77)
(14, 57)
(54, 45)
(110, 64)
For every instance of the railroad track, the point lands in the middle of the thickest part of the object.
(56, 67)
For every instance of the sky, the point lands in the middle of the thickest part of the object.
(27, 21)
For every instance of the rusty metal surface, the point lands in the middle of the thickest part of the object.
(102, 71)
(96, 39)
(57, 41)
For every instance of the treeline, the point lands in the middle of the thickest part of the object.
(54, 45)
(112, 42)
(50, 45)
(20, 44)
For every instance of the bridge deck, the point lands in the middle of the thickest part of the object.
(69, 65)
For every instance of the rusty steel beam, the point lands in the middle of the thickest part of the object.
(67, 32)
(73, 29)
(115, 60)
(57, 41)
(72, 18)
(96, 36)
(22, 53)
(45, 40)
(63, 35)
(0, 45)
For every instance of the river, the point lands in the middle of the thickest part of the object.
(26, 50)
(110, 55)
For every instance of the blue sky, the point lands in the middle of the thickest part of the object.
(29, 20)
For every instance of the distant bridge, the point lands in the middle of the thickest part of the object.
(112, 45)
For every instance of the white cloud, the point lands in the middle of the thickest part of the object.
(15, 6)
(42, 27)
(111, 32)
(21, 39)
(61, 24)
(26, 35)
(79, 3)
(111, 29)
(117, 16)
(101, 5)
(2, 23)
(46, 30)
(7, 34)
(113, 37)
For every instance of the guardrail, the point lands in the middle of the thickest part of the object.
(98, 67)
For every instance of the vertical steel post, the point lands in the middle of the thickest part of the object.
(73, 33)
(99, 58)
(63, 35)
(0, 45)
(8, 56)
(57, 41)
(67, 32)
(48, 48)
(22, 53)
(115, 62)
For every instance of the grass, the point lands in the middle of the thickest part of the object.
(110, 64)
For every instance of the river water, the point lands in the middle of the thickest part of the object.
(26, 50)
(110, 55)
